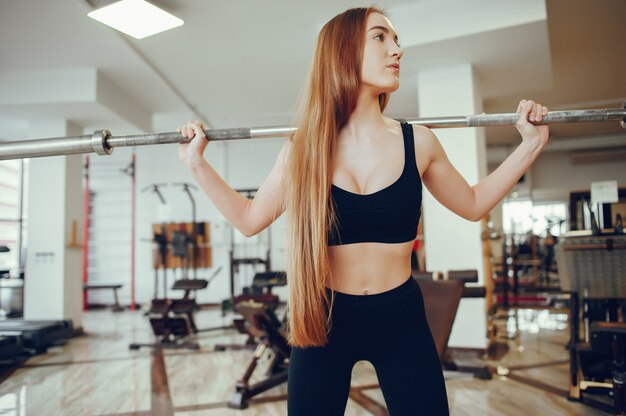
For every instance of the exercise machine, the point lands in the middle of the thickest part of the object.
(268, 338)
(38, 336)
(265, 327)
(261, 294)
(160, 238)
(171, 326)
(187, 305)
(172, 330)
(592, 269)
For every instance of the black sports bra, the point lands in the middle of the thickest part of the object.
(386, 216)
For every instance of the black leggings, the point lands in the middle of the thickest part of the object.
(390, 331)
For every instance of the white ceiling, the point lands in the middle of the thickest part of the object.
(244, 63)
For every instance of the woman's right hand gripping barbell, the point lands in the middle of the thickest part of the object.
(192, 153)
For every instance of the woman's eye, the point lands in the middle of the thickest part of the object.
(382, 37)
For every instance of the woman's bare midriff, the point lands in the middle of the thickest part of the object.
(369, 268)
(372, 267)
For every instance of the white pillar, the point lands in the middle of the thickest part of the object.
(53, 275)
(451, 242)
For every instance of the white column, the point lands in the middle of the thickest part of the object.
(53, 275)
(451, 242)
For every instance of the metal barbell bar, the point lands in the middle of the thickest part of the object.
(103, 143)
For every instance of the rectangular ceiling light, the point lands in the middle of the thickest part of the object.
(136, 18)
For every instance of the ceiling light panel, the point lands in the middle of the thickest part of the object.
(136, 18)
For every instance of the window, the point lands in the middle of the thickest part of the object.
(12, 208)
(521, 216)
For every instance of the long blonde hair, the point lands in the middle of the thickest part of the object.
(330, 100)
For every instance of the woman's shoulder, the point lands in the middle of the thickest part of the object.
(427, 146)
(423, 136)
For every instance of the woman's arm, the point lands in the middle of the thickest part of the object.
(249, 216)
(473, 202)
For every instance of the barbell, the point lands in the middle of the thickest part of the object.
(103, 143)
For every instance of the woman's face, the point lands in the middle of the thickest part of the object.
(381, 55)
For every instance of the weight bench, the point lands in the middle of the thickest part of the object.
(101, 286)
(172, 330)
(267, 330)
(442, 295)
(187, 305)
(261, 289)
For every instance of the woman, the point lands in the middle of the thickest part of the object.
(351, 179)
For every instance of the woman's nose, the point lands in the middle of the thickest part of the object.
(397, 51)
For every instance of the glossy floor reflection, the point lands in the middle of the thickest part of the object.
(97, 374)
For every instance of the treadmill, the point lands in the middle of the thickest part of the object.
(37, 336)
(10, 349)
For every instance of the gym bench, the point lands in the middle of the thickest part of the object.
(94, 286)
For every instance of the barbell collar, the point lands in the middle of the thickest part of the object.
(99, 142)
